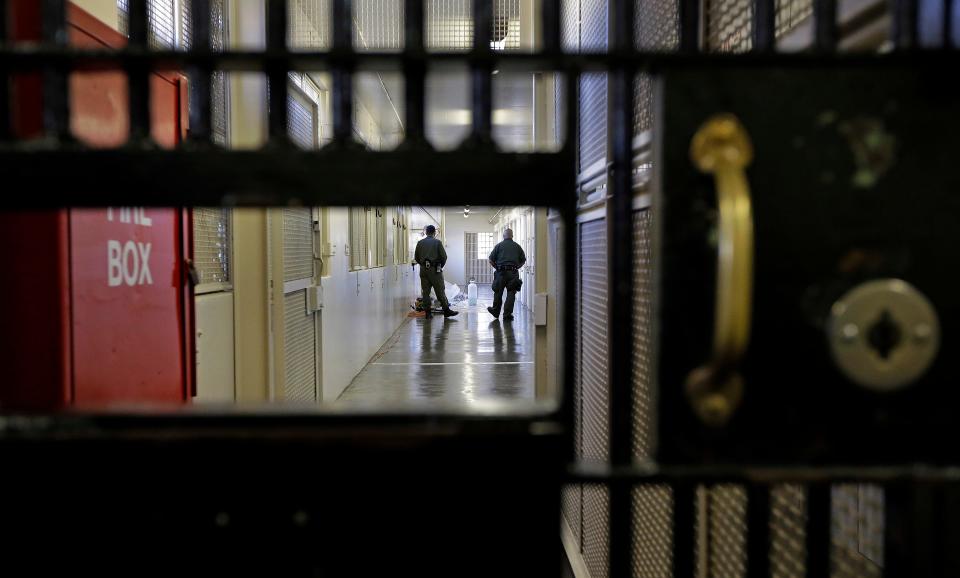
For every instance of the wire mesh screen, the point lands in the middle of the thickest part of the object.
(857, 513)
(378, 24)
(300, 349)
(308, 24)
(449, 25)
(596, 529)
(790, 13)
(162, 31)
(297, 243)
(211, 244)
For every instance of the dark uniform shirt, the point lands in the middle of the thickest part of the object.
(508, 252)
(430, 249)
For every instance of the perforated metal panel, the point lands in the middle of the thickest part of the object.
(594, 388)
(728, 531)
(791, 13)
(653, 532)
(297, 243)
(857, 513)
(211, 244)
(593, 319)
(596, 529)
(729, 25)
(788, 519)
(300, 349)
(656, 27)
(593, 87)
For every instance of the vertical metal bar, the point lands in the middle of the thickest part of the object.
(689, 25)
(948, 8)
(818, 530)
(905, 24)
(4, 78)
(277, 70)
(568, 204)
(825, 25)
(684, 529)
(758, 531)
(764, 26)
(138, 74)
(481, 72)
(414, 73)
(620, 349)
(550, 21)
(342, 73)
(200, 103)
(56, 106)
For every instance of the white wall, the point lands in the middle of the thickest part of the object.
(361, 309)
(479, 221)
(104, 10)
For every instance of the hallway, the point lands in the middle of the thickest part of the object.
(452, 362)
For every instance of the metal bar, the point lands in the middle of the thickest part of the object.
(414, 74)
(825, 25)
(569, 197)
(331, 176)
(818, 530)
(343, 73)
(764, 25)
(277, 71)
(56, 106)
(758, 531)
(905, 24)
(200, 102)
(481, 73)
(620, 231)
(550, 21)
(138, 73)
(4, 78)
(684, 530)
(17, 59)
(948, 40)
(689, 22)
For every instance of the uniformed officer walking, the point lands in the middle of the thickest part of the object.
(431, 257)
(507, 258)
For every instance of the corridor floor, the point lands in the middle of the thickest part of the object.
(451, 362)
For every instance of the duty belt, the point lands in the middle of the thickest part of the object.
(508, 268)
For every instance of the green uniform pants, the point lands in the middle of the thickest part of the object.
(431, 278)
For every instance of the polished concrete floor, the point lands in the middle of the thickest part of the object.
(454, 361)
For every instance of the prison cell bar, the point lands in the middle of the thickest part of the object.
(200, 98)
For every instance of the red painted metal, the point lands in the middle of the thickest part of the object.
(102, 312)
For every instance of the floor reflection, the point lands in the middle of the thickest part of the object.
(452, 361)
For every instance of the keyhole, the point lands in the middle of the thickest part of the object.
(884, 336)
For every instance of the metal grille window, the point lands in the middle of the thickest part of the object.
(378, 236)
(211, 246)
(477, 248)
(308, 24)
(400, 251)
(359, 238)
(450, 25)
(161, 21)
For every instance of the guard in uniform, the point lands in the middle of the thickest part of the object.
(431, 257)
(507, 258)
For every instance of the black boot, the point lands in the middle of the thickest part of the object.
(492, 312)
(450, 312)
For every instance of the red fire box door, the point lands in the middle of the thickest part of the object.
(102, 310)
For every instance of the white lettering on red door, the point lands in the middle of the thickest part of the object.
(129, 263)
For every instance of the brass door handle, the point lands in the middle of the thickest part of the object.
(722, 147)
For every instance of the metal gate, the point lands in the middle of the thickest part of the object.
(733, 509)
(477, 247)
